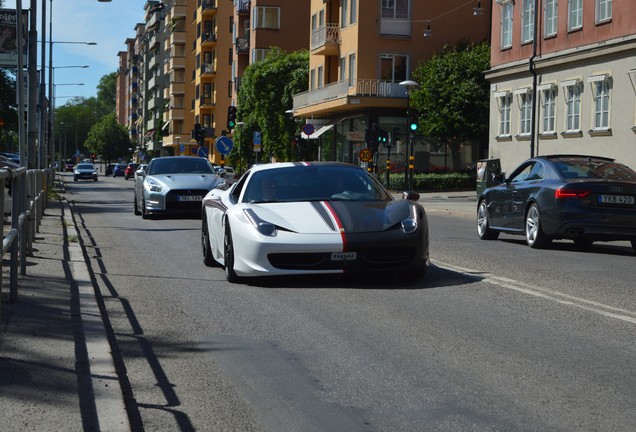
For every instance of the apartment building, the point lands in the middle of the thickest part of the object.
(360, 53)
(569, 89)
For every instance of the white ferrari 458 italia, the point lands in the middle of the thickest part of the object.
(312, 218)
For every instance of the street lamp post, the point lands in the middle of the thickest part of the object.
(409, 85)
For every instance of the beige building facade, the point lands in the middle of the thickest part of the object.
(584, 80)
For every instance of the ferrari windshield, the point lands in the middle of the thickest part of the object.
(314, 183)
(180, 165)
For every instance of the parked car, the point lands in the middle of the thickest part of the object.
(143, 168)
(69, 167)
(318, 218)
(173, 184)
(129, 172)
(85, 171)
(581, 198)
(119, 170)
(109, 168)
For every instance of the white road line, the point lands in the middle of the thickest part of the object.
(559, 297)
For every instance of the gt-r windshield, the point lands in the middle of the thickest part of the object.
(180, 165)
(314, 183)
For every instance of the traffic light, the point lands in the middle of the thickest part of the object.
(383, 137)
(231, 117)
(413, 118)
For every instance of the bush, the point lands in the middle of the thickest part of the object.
(433, 182)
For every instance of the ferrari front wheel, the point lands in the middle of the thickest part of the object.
(208, 259)
(228, 255)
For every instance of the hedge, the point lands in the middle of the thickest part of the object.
(432, 182)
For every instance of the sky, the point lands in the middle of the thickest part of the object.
(107, 24)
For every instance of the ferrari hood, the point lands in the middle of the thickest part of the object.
(317, 217)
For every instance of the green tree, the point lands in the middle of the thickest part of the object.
(452, 96)
(8, 113)
(266, 92)
(108, 139)
(107, 91)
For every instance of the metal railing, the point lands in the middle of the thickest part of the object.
(28, 192)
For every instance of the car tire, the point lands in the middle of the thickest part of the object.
(208, 259)
(144, 212)
(634, 245)
(74, 178)
(136, 207)
(228, 255)
(483, 224)
(535, 237)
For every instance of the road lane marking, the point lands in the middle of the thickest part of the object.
(559, 297)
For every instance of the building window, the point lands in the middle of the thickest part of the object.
(504, 100)
(572, 107)
(259, 54)
(343, 14)
(343, 68)
(393, 67)
(312, 79)
(603, 10)
(548, 110)
(551, 15)
(352, 69)
(575, 14)
(397, 9)
(353, 15)
(525, 115)
(527, 21)
(320, 76)
(266, 17)
(601, 88)
(506, 25)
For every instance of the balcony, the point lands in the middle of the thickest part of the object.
(208, 39)
(242, 6)
(341, 96)
(155, 103)
(179, 10)
(242, 45)
(178, 38)
(177, 88)
(206, 101)
(177, 63)
(396, 25)
(207, 70)
(174, 114)
(208, 8)
(326, 40)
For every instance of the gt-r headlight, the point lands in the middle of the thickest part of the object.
(154, 186)
(409, 224)
(263, 227)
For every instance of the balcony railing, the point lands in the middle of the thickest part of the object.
(399, 25)
(208, 37)
(342, 89)
(242, 45)
(242, 6)
(328, 34)
(207, 68)
(208, 5)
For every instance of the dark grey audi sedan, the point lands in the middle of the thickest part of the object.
(582, 198)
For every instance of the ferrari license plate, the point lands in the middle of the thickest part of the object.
(616, 199)
(343, 256)
(189, 198)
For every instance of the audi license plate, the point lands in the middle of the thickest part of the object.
(343, 256)
(189, 198)
(616, 199)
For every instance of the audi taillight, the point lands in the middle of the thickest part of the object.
(570, 193)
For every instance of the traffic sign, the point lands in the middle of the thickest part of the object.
(256, 139)
(224, 145)
(309, 129)
(202, 151)
(366, 155)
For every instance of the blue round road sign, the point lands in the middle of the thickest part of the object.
(224, 145)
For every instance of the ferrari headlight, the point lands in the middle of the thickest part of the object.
(409, 224)
(263, 227)
(154, 186)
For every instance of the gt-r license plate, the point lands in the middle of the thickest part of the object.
(616, 199)
(344, 256)
(189, 198)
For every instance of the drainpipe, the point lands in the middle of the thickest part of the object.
(533, 71)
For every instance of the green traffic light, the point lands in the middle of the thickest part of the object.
(413, 126)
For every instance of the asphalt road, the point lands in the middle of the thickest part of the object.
(496, 337)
